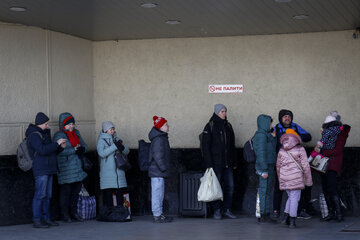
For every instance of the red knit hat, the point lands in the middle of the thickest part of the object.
(159, 121)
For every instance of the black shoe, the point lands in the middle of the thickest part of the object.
(76, 218)
(262, 219)
(292, 223)
(229, 214)
(339, 216)
(275, 216)
(217, 214)
(66, 218)
(162, 219)
(304, 215)
(286, 219)
(40, 225)
(51, 223)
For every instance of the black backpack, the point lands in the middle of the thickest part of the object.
(249, 153)
(144, 155)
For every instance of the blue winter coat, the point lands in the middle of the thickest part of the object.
(110, 175)
(43, 150)
(264, 145)
(160, 151)
(69, 164)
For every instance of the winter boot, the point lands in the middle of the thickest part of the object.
(229, 214)
(217, 214)
(339, 217)
(292, 223)
(286, 219)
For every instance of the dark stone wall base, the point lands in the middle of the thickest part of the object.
(17, 187)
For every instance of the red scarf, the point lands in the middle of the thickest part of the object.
(73, 138)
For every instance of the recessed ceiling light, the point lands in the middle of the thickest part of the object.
(149, 5)
(173, 22)
(300, 17)
(17, 9)
(282, 1)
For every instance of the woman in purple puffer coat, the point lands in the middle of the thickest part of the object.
(294, 173)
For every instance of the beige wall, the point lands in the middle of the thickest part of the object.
(311, 74)
(43, 71)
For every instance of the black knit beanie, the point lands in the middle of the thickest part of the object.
(41, 118)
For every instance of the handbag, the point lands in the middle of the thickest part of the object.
(210, 188)
(86, 163)
(121, 161)
(319, 164)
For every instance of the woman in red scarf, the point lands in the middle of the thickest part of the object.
(70, 174)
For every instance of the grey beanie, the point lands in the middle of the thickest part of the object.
(336, 115)
(107, 125)
(218, 107)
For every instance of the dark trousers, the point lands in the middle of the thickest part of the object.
(304, 202)
(329, 183)
(278, 194)
(108, 196)
(69, 195)
(226, 179)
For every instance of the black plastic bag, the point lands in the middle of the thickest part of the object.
(114, 214)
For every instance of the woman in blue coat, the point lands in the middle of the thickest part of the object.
(70, 172)
(112, 179)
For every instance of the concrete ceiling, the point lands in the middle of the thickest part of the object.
(99, 20)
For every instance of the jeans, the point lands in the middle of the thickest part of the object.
(226, 179)
(108, 196)
(265, 190)
(157, 195)
(41, 200)
(69, 195)
(292, 202)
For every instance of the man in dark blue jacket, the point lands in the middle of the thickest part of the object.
(43, 151)
(285, 122)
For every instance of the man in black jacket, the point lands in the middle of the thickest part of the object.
(159, 167)
(218, 146)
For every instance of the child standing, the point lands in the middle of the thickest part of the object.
(293, 172)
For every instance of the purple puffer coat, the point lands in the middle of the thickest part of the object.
(290, 176)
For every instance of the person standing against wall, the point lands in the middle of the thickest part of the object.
(285, 122)
(70, 174)
(218, 146)
(112, 179)
(159, 167)
(44, 167)
(264, 143)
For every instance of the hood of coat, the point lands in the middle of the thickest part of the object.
(155, 133)
(216, 118)
(263, 122)
(289, 140)
(107, 136)
(33, 128)
(63, 118)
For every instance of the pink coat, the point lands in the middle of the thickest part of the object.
(290, 176)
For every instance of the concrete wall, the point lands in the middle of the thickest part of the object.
(311, 74)
(43, 71)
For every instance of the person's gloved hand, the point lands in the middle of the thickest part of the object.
(119, 145)
(80, 151)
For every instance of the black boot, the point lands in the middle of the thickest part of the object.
(75, 217)
(336, 200)
(292, 223)
(286, 219)
(66, 218)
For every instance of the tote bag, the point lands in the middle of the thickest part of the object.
(210, 189)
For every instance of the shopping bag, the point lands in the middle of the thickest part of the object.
(86, 205)
(210, 189)
(257, 211)
(126, 197)
(323, 206)
(319, 163)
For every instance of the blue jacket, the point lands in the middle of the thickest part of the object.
(280, 130)
(43, 150)
(160, 152)
(264, 145)
(69, 164)
(110, 175)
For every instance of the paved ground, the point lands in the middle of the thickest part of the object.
(186, 228)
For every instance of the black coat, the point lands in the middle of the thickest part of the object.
(160, 152)
(218, 144)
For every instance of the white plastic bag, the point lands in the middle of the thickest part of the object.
(257, 211)
(210, 189)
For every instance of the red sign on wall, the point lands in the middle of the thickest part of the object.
(226, 88)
